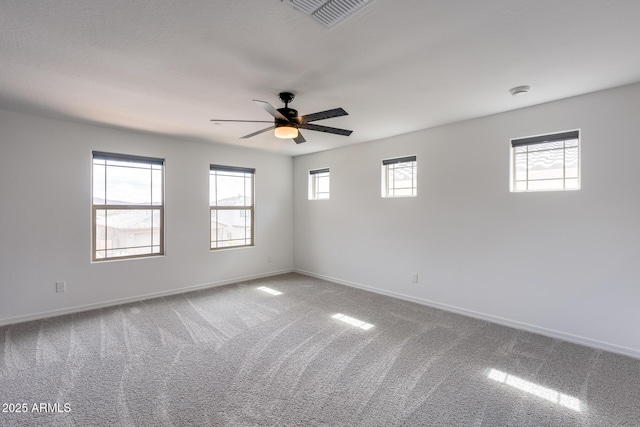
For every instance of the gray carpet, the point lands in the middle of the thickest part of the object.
(239, 356)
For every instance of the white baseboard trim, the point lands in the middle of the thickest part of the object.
(588, 342)
(111, 303)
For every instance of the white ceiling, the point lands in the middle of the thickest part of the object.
(168, 66)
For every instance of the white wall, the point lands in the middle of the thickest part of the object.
(45, 218)
(562, 263)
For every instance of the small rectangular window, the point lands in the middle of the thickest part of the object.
(319, 184)
(231, 206)
(546, 162)
(399, 177)
(128, 206)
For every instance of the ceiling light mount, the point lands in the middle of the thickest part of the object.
(286, 97)
(520, 90)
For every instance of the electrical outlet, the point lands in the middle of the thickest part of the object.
(269, 259)
(61, 286)
(414, 277)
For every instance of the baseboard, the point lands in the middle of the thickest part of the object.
(588, 342)
(111, 303)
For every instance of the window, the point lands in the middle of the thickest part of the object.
(399, 177)
(319, 184)
(231, 206)
(128, 207)
(546, 162)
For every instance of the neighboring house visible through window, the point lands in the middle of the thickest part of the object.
(231, 206)
(546, 162)
(128, 207)
(399, 177)
(319, 184)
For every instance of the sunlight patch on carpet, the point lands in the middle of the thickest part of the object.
(269, 290)
(535, 389)
(352, 321)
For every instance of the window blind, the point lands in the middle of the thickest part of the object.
(317, 171)
(231, 169)
(542, 139)
(99, 155)
(399, 160)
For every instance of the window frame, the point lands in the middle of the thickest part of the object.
(232, 169)
(563, 136)
(314, 176)
(385, 188)
(99, 155)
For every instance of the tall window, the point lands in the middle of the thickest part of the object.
(128, 207)
(231, 206)
(399, 177)
(546, 162)
(319, 184)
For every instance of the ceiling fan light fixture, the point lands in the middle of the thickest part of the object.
(286, 132)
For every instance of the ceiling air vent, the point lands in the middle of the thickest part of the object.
(329, 12)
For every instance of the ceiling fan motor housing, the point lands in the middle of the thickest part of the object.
(290, 114)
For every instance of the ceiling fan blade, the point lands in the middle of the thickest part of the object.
(326, 129)
(243, 121)
(270, 109)
(258, 132)
(299, 139)
(336, 112)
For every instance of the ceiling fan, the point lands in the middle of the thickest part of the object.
(286, 121)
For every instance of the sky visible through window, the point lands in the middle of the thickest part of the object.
(319, 185)
(126, 183)
(547, 166)
(399, 179)
(227, 185)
